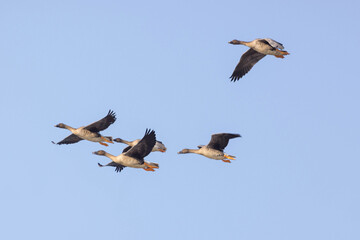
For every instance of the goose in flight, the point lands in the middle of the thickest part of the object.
(90, 132)
(215, 148)
(133, 156)
(259, 48)
(159, 146)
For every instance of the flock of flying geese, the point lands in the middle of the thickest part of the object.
(133, 155)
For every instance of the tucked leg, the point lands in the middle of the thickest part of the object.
(281, 53)
(148, 166)
(229, 157)
(149, 169)
(106, 140)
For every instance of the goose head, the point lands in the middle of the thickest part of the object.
(60, 125)
(100, 152)
(159, 146)
(236, 42)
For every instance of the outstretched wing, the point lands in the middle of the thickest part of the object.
(247, 61)
(118, 167)
(220, 140)
(69, 140)
(144, 147)
(274, 43)
(102, 124)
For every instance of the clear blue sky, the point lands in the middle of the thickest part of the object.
(165, 65)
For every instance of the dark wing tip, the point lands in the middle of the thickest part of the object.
(150, 134)
(100, 165)
(148, 131)
(239, 72)
(112, 114)
(230, 135)
(118, 168)
(235, 78)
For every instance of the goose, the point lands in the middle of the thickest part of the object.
(215, 148)
(159, 146)
(90, 132)
(118, 167)
(133, 156)
(259, 48)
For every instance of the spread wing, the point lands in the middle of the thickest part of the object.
(220, 141)
(70, 139)
(144, 147)
(118, 167)
(102, 124)
(247, 61)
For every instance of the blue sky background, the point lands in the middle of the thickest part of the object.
(165, 65)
